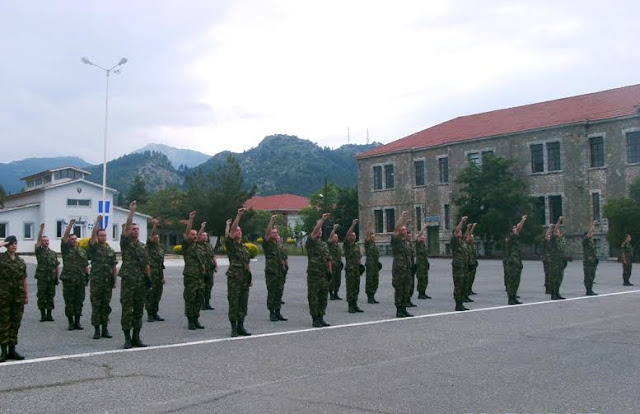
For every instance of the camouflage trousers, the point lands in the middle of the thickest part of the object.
(589, 274)
(547, 274)
(317, 291)
(100, 292)
(459, 283)
(155, 293)
(237, 293)
(372, 279)
(513, 272)
(73, 292)
(133, 293)
(46, 293)
(336, 279)
(400, 280)
(626, 271)
(423, 278)
(471, 277)
(11, 310)
(352, 280)
(193, 294)
(556, 275)
(208, 285)
(275, 288)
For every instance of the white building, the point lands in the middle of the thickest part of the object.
(54, 197)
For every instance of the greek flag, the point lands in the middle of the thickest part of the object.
(103, 208)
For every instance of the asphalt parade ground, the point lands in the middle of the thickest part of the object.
(580, 355)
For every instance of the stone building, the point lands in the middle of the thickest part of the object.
(574, 153)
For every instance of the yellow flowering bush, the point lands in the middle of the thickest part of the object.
(260, 240)
(177, 249)
(253, 249)
(291, 240)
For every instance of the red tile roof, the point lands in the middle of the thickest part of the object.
(280, 202)
(597, 106)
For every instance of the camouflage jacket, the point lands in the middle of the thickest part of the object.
(194, 258)
(373, 254)
(511, 251)
(589, 251)
(422, 258)
(208, 255)
(155, 251)
(352, 255)
(336, 255)
(12, 276)
(103, 258)
(271, 256)
(74, 261)
(627, 248)
(134, 257)
(318, 257)
(459, 260)
(47, 263)
(239, 257)
(401, 255)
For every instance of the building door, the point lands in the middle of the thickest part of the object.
(433, 240)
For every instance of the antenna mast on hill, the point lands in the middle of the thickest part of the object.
(348, 135)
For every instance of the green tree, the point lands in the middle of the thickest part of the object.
(168, 204)
(3, 195)
(341, 203)
(492, 196)
(624, 216)
(137, 191)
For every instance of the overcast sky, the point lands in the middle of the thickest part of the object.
(216, 75)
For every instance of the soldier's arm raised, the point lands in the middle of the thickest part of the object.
(227, 227)
(520, 225)
(67, 231)
(154, 226)
(132, 210)
(592, 228)
(203, 225)
(192, 216)
(39, 241)
(267, 233)
(94, 231)
(234, 226)
(547, 236)
(353, 226)
(318, 227)
(401, 222)
(457, 232)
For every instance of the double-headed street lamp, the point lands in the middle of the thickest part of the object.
(104, 210)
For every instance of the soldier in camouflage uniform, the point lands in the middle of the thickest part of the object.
(401, 269)
(75, 276)
(459, 265)
(336, 263)
(14, 294)
(273, 271)
(239, 278)
(352, 269)
(319, 270)
(102, 279)
(210, 267)
(411, 285)
(372, 264)
(590, 260)
(284, 264)
(47, 273)
(627, 260)
(557, 260)
(472, 263)
(513, 261)
(135, 275)
(194, 270)
(155, 251)
(546, 257)
(422, 263)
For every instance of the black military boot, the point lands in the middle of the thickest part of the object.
(322, 321)
(356, 307)
(422, 295)
(626, 282)
(196, 323)
(399, 313)
(459, 306)
(105, 331)
(49, 317)
(76, 324)
(471, 293)
(467, 299)
(316, 322)
(207, 305)
(150, 317)
(127, 338)
(157, 317)
(72, 325)
(558, 295)
(332, 296)
(336, 297)
(370, 299)
(406, 314)
(192, 326)
(3, 353)
(13, 354)
(135, 340)
(241, 330)
(234, 329)
(272, 316)
(590, 292)
(512, 300)
(352, 308)
(96, 332)
(279, 316)
(43, 316)
(411, 304)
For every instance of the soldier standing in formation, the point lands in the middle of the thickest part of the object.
(102, 279)
(75, 276)
(422, 264)
(194, 268)
(352, 269)
(47, 273)
(546, 259)
(458, 265)
(557, 261)
(590, 261)
(336, 261)
(401, 268)
(319, 270)
(135, 275)
(210, 267)
(284, 263)
(14, 294)
(627, 260)
(238, 277)
(155, 251)
(372, 264)
(273, 271)
(411, 285)
(472, 265)
(513, 262)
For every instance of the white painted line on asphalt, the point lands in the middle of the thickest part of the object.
(298, 331)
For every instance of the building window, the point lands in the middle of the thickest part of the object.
(553, 156)
(537, 158)
(31, 183)
(114, 233)
(418, 218)
(633, 147)
(595, 202)
(596, 149)
(47, 179)
(377, 178)
(391, 219)
(447, 217)
(3, 230)
(540, 211)
(418, 166)
(379, 221)
(76, 202)
(474, 158)
(28, 231)
(443, 165)
(388, 176)
(555, 207)
(60, 228)
(488, 152)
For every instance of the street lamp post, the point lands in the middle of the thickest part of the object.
(122, 61)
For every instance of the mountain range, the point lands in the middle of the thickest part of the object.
(279, 164)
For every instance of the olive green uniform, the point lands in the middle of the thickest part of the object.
(422, 262)
(73, 277)
(512, 263)
(12, 295)
(273, 274)
(352, 270)
(193, 277)
(318, 259)
(209, 270)
(103, 259)
(589, 263)
(400, 271)
(155, 251)
(46, 277)
(238, 279)
(336, 267)
(372, 264)
(627, 267)
(134, 282)
(459, 269)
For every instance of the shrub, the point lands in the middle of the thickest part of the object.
(291, 240)
(177, 249)
(260, 240)
(253, 249)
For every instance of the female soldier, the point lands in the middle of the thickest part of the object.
(14, 294)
